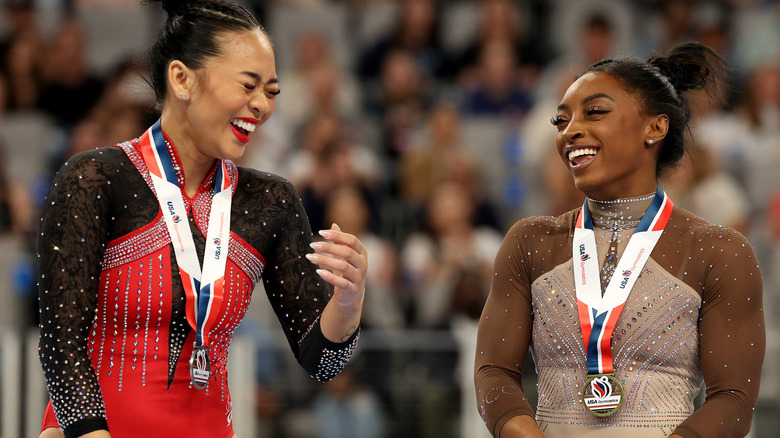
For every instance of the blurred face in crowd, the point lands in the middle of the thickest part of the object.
(602, 139)
(232, 95)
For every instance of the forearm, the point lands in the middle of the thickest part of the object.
(521, 426)
(338, 323)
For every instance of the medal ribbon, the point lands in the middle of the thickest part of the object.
(598, 314)
(202, 287)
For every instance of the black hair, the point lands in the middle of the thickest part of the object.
(190, 35)
(659, 84)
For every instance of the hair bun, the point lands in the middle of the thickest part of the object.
(172, 7)
(690, 66)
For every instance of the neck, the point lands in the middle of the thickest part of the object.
(614, 192)
(195, 165)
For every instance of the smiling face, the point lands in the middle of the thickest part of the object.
(227, 99)
(603, 139)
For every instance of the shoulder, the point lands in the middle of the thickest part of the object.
(534, 227)
(692, 229)
(99, 163)
(254, 177)
(272, 187)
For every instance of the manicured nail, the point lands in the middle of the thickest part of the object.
(316, 245)
(322, 272)
(313, 257)
(326, 234)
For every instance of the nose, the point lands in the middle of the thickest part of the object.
(572, 132)
(260, 105)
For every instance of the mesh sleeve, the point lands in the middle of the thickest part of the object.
(70, 249)
(732, 341)
(504, 337)
(297, 294)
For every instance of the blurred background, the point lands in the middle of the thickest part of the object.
(420, 125)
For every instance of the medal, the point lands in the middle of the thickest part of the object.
(200, 367)
(602, 394)
(202, 286)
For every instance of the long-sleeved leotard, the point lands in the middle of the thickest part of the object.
(695, 312)
(115, 343)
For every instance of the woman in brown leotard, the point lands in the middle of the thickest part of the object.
(623, 334)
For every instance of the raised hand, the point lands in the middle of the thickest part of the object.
(343, 262)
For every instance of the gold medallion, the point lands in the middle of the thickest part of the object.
(602, 394)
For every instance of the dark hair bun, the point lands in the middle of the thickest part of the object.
(172, 7)
(691, 66)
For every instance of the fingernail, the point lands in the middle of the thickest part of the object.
(326, 234)
(312, 257)
(316, 245)
(321, 271)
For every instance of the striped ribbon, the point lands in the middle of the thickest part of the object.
(598, 314)
(202, 287)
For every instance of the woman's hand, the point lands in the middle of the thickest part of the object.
(343, 263)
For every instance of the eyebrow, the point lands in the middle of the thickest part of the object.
(257, 78)
(588, 99)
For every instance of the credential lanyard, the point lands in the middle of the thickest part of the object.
(203, 288)
(598, 314)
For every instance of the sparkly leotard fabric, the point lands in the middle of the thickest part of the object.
(694, 313)
(115, 342)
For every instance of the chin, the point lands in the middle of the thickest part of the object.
(585, 186)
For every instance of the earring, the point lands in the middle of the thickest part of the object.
(650, 141)
(183, 96)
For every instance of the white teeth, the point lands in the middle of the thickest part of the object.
(580, 152)
(245, 125)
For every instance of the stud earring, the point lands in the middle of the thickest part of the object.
(183, 96)
(650, 141)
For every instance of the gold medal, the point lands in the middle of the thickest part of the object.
(602, 394)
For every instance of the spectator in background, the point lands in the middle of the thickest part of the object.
(448, 265)
(69, 91)
(596, 42)
(501, 21)
(495, 87)
(677, 24)
(316, 84)
(20, 18)
(397, 107)
(440, 157)
(416, 32)
(435, 158)
(20, 51)
(448, 248)
(746, 141)
(698, 184)
(329, 158)
(346, 409)
(21, 70)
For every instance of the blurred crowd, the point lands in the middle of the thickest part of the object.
(423, 127)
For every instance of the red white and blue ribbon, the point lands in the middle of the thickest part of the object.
(202, 287)
(599, 314)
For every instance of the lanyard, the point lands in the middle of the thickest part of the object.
(598, 314)
(202, 287)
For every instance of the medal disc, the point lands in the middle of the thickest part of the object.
(200, 367)
(602, 395)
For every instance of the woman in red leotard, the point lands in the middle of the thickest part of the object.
(135, 324)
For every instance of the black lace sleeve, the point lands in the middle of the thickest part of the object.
(70, 249)
(297, 294)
